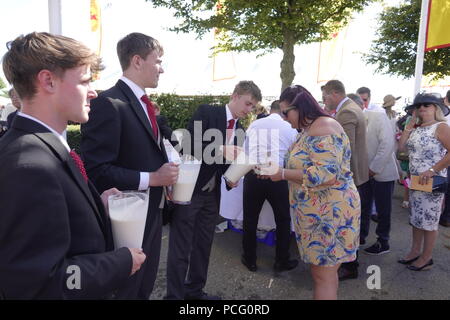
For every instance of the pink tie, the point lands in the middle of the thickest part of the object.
(79, 163)
(151, 114)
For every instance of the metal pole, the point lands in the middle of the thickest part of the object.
(54, 16)
(421, 46)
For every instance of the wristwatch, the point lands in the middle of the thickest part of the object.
(432, 170)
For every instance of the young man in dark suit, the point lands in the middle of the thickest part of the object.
(55, 236)
(192, 226)
(122, 147)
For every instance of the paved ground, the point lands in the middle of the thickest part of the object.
(231, 280)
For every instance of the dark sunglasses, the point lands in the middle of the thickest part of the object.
(365, 100)
(285, 112)
(425, 105)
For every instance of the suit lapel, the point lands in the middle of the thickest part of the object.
(221, 121)
(137, 108)
(60, 152)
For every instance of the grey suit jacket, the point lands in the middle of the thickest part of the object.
(352, 119)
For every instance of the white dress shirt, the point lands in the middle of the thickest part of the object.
(340, 105)
(61, 137)
(268, 139)
(139, 92)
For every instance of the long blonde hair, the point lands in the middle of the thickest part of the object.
(438, 115)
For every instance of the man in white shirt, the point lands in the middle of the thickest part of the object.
(268, 139)
(365, 96)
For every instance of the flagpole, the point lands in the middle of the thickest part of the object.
(421, 46)
(54, 17)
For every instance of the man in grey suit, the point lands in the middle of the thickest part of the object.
(352, 119)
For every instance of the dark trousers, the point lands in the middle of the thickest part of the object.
(445, 216)
(381, 192)
(140, 285)
(365, 192)
(192, 230)
(256, 191)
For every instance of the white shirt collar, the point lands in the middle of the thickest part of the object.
(229, 114)
(138, 91)
(341, 103)
(61, 138)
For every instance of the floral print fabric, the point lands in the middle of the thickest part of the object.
(424, 152)
(327, 204)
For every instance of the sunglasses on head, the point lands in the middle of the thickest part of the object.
(285, 112)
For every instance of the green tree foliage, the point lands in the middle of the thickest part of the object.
(265, 25)
(395, 48)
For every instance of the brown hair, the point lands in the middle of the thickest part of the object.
(334, 85)
(248, 87)
(28, 55)
(136, 44)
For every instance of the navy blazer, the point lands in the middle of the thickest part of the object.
(50, 220)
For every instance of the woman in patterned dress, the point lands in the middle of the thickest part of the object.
(322, 192)
(427, 138)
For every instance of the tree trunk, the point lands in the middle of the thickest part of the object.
(287, 74)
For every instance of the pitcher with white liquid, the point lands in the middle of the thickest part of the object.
(128, 213)
(187, 178)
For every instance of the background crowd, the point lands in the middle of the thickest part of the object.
(334, 172)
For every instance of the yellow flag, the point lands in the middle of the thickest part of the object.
(96, 29)
(331, 53)
(223, 62)
(438, 26)
(428, 82)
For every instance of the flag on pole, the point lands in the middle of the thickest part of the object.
(331, 53)
(223, 62)
(96, 30)
(438, 35)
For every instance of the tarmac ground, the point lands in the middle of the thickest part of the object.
(380, 277)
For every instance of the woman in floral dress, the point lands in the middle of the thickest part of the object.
(322, 192)
(427, 138)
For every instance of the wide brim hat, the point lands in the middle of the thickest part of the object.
(389, 100)
(424, 98)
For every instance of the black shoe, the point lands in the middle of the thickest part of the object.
(403, 261)
(250, 266)
(346, 274)
(377, 248)
(374, 218)
(426, 266)
(444, 223)
(285, 266)
(202, 296)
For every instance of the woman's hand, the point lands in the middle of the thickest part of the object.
(425, 176)
(271, 171)
(412, 122)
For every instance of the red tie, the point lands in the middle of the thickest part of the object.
(76, 158)
(230, 128)
(151, 114)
